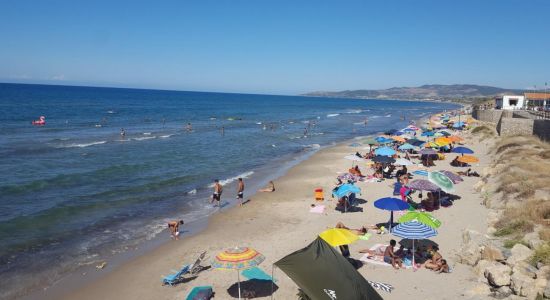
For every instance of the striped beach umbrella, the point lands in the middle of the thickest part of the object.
(238, 258)
(442, 181)
(423, 185)
(413, 230)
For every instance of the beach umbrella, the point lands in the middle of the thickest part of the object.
(238, 258)
(413, 230)
(384, 151)
(391, 204)
(422, 217)
(415, 142)
(346, 190)
(455, 178)
(338, 237)
(427, 133)
(432, 145)
(421, 172)
(423, 185)
(427, 151)
(468, 159)
(369, 141)
(442, 181)
(398, 139)
(385, 141)
(444, 133)
(422, 243)
(398, 133)
(354, 158)
(403, 162)
(455, 138)
(391, 131)
(383, 159)
(463, 150)
(442, 141)
(380, 138)
(458, 124)
(406, 146)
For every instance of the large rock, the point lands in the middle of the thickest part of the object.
(478, 291)
(481, 265)
(521, 283)
(472, 236)
(498, 274)
(533, 240)
(547, 291)
(491, 253)
(544, 272)
(525, 269)
(519, 253)
(469, 254)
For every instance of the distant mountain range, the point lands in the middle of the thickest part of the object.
(454, 92)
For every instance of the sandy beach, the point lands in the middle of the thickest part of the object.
(279, 223)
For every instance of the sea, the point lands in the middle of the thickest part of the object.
(74, 192)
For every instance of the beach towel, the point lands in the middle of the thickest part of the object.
(365, 237)
(378, 257)
(200, 293)
(421, 172)
(257, 273)
(317, 209)
(386, 287)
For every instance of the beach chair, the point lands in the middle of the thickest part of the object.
(176, 277)
(196, 267)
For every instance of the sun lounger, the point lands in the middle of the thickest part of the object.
(176, 277)
(257, 273)
(196, 267)
(200, 293)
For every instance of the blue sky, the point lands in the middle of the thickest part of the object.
(275, 47)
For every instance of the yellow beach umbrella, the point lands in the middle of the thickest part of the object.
(468, 159)
(442, 141)
(455, 138)
(338, 236)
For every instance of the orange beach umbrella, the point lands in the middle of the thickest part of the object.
(468, 159)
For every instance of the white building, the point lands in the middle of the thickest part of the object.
(510, 102)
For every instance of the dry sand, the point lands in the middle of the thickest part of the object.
(279, 223)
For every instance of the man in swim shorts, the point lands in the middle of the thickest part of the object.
(174, 227)
(391, 258)
(240, 191)
(217, 192)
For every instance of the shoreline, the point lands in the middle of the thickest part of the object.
(166, 247)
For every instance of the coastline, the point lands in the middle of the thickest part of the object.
(268, 218)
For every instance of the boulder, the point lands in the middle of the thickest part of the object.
(521, 284)
(547, 291)
(479, 290)
(519, 253)
(481, 265)
(533, 240)
(492, 253)
(525, 269)
(479, 186)
(503, 292)
(498, 274)
(472, 236)
(469, 254)
(543, 272)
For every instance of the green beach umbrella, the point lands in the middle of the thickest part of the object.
(370, 141)
(441, 181)
(422, 217)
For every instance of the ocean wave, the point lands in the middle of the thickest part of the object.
(354, 111)
(83, 145)
(375, 117)
(144, 138)
(231, 179)
(388, 116)
(312, 146)
(332, 115)
(192, 192)
(146, 133)
(111, 112)
(166, 136)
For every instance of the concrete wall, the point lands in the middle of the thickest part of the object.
(492, 116)
(541, 128)
(515, 126)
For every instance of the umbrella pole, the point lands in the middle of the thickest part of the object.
(239, 283)
(391, 220)
(272, 280)
(414, 264)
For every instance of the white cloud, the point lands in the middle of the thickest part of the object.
(58, 77)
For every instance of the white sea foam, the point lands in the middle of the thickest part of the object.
(192, 192)
(110, 111)
(146, 133)
(273, 145)
(166, 136)
(354, 111)
(229, 180)
(388, 115)
(83, 145)
(312, 146)
(144, 138)
(259, 123)
(332, 115)
(375, 117)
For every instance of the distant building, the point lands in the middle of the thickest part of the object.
(541, 100)
(509, 102)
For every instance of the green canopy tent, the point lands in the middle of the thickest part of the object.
(323, 273)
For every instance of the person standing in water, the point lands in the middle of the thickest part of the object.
(188, 127)
(217, 196)
(240, 191)
(222, 131)
(122, 132)
(174, 227)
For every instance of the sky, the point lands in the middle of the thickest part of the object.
(275, 47)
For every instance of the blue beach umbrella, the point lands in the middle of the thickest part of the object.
(413, 230)
(463, 150)
(384, 151)
(346, 190)
(409, 129)
(391, 204)
(406, 146)
(458, 124)
(398, 133)
(415, 142)
(428, 133)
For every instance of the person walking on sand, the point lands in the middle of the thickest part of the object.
(240, 191)
(174, 227)
(217, 192)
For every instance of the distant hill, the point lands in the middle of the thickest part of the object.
(454, 92)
